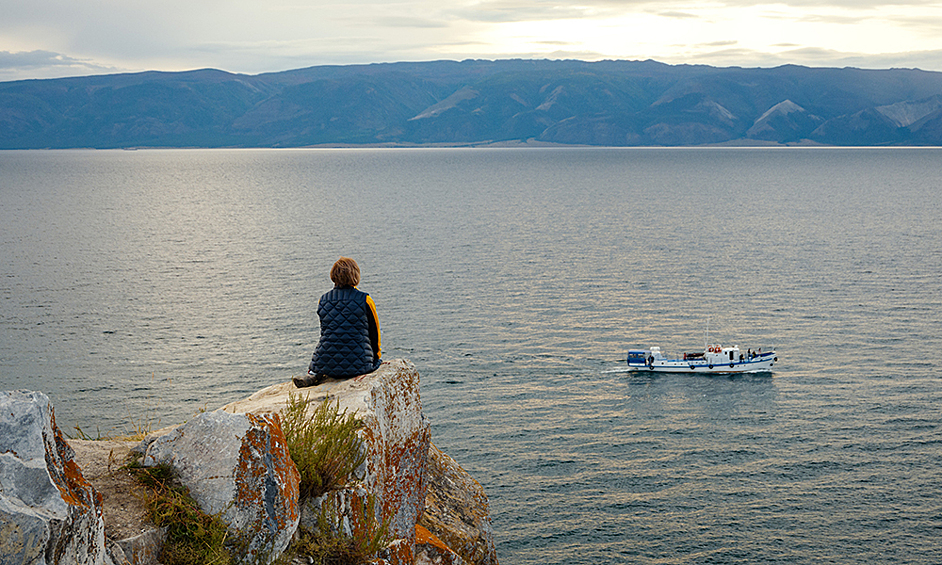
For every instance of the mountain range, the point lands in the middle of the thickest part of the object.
(610, 103)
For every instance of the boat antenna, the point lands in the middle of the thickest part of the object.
(706, 339)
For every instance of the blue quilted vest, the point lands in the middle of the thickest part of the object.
(344, 349)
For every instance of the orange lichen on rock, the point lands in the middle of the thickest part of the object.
(65, 472)
(265, 465)
(429, 550)
(423, 536)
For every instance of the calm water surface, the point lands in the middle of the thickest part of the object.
(143, 286)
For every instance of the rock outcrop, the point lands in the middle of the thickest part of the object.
(395, 436)
(456, 509)
(49, 513)
(236, 465)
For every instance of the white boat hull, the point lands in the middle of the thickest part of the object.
(722, 361)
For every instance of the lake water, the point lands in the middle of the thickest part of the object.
(138, 287)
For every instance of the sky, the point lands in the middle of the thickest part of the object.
(56, 38)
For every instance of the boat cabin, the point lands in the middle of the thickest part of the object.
(719, 354)
(637, 357)
(645, 356)
(710, 354)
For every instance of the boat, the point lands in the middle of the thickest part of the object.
(713, 359)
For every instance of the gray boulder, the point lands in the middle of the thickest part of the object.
(49, 513)
(237, 466)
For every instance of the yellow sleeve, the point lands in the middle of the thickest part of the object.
(374, 328)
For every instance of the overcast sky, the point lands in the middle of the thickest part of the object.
(54, 38)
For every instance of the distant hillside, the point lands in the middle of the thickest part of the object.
(618, 103)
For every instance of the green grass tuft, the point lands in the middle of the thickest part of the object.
(329, 545)
(323, 444)
(193, 537)
(327, 451)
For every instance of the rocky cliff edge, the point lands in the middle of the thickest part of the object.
(72, 502)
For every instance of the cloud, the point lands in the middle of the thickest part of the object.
(409, 21)
(546, 8)
(47, 62)
(677, 15)
(33, 59)
(924, 25)
(816, 57)
(838, 19)
(925, 60)
(830, 4)
(506, 11)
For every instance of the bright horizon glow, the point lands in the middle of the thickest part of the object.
(52, 38)
(768, 29)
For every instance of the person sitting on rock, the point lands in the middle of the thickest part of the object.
(349, 345)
